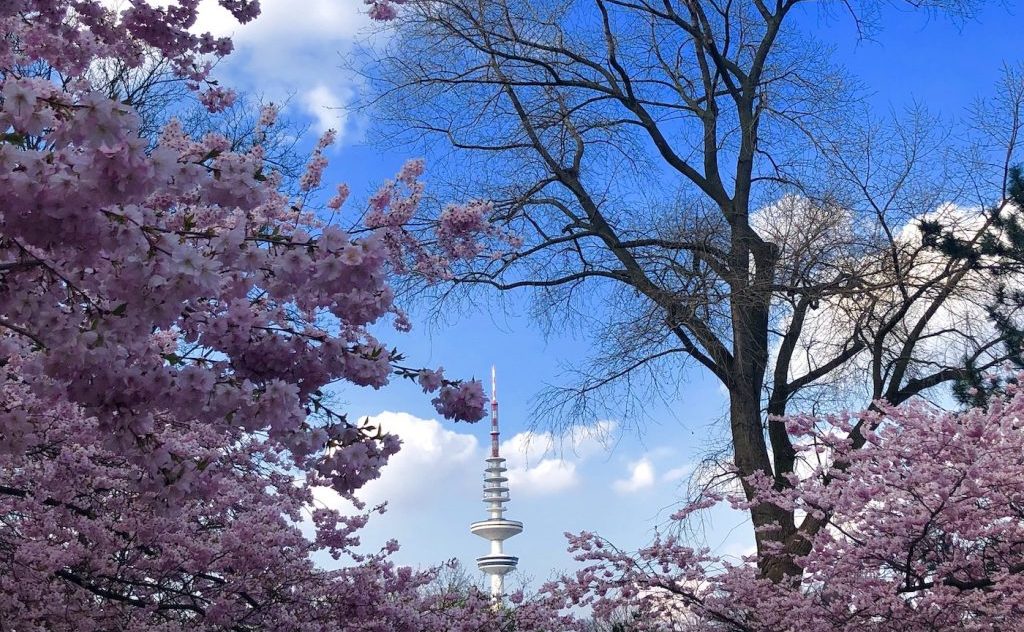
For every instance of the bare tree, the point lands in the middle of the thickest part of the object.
(695, 182)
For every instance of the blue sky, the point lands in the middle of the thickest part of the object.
(622, 487)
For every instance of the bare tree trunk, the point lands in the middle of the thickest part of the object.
(750, 307)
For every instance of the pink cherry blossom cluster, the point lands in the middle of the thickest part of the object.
(109, 242)
(314, 173)
(460, 228)
(384, 9)
(169, 324)
(460, 232)
(456, 401)
(919, 529)
(217, 99)
(68, 35)
(85, 548)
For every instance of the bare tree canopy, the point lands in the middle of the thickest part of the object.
(700, 171)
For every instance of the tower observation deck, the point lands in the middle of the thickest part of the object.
(496, 529)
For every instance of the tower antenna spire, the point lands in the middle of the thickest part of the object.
(494, 413)
(496, 529)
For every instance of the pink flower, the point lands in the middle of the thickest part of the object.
(174, 320)
(464, 402)
(339, 198)
(268, 116)
(430, 380)
(217, 99)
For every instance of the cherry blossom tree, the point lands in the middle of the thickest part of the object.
(170, 323)
(922, 529)
(85, 549)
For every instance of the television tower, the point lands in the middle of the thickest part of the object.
(496, 529)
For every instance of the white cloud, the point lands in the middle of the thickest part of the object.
(284, 20)
(550, 476)
(433, 460)
(293, 52)
(641, 477)
(544, 463)
(526, 448)
(436, 462)
(432, 488)
(326, 108)
(822, 239)
(677, 473)
(586, 441)
(581, 442)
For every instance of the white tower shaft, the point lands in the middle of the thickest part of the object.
(496, 529)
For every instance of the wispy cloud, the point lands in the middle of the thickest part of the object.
(293, 53)
(545, 463)
(432, 462)
(641, 476)
(677, 473)
(327, 108)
